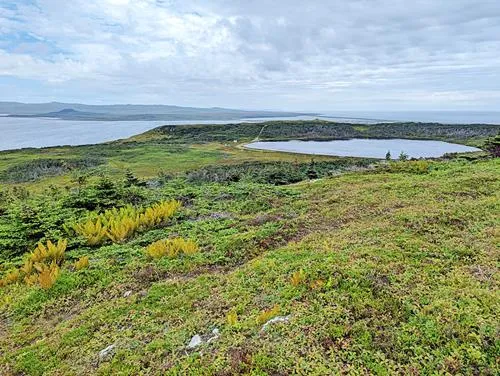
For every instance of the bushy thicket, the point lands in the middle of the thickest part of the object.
(493, 146)
(276, 173)
(318, 129)
(26, 219)
(38, 168)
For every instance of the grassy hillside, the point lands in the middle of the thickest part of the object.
(365, 268)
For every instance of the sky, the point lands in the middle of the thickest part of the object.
(254, 54)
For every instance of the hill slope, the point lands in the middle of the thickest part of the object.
(129, 112)
(389, 271)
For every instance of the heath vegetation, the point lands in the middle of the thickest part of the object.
(379, 267)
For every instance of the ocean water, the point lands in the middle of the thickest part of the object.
(16, 133)
(448, 117)
(366, 148)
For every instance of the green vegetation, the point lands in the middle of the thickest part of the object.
(318, 129)
(363, 267)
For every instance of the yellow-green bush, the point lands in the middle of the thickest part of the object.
(48, 275)
(232, 318)
(11, 277)
(121, 229)
(82, 263)
(49, 252)
(267, 314)
(41, 265)
(171, 248)
(159, 213)
(121, 224)
(92, 230)
(297, 278)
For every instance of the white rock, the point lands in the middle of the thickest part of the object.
(127, 293)
(107, 353)
(275, 320)
(215, 335)
(195, 342)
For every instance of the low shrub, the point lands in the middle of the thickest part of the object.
(93, 231)
(82, 263)
(171, 248)
(121, 224)
(39, 168)
(297, 278)
(412, 167)
(48, 275)
(276, 173)
(41, 265)
(232, 318)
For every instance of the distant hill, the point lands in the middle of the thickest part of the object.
(77, 111)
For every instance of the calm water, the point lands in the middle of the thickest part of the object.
(447, 117)
(16, 133)
(368, 148)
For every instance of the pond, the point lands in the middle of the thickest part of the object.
(366, 148)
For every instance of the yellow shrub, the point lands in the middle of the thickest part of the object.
(116, 215)
(82, 263)
(48, 275)
(31, 279)
(92, 230)
(41, 265)
(27, 268)
(50, 252)
(171, 248)
(317, 284)
(187, 247)
(120, 224)
(232, 318)
(121, 229)
(297, 278)
(268, 314)
(159, 249)
(158, 213)
(11, 277)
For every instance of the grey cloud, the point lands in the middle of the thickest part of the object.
(234, 52)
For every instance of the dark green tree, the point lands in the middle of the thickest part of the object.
(493, 146)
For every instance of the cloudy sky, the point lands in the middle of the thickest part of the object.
(261, 54)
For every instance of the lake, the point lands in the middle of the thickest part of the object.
(363, 147)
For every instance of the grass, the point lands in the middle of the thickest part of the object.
(392, 270)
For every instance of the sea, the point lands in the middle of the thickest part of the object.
(17, 133)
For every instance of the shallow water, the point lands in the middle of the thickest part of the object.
(367, 148)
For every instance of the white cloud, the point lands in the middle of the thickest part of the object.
(284, 54)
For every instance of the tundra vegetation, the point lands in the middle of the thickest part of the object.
(367, 267)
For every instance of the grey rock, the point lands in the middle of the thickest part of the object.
(215, 335)
(127, 293)
(195, 342)
(275, 320)
(107, 353)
